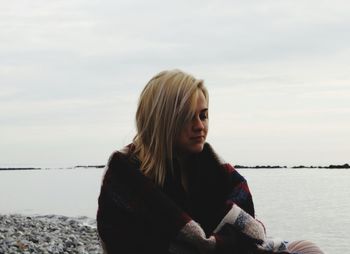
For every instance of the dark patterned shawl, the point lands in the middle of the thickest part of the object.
(136, 216)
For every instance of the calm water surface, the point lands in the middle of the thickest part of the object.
(308, 204)
(294, 204)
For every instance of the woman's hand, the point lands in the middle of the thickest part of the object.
(193, 234)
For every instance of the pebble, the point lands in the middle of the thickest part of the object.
(50, 234)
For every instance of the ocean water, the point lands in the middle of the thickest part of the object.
(312, 204)
(293, 204)
(70, 192)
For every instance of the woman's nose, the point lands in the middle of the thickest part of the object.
(198, 125)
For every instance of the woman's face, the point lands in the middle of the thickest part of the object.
(193, 135)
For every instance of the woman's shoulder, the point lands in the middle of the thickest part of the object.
(209, 156)
(122, 159)
(125, 153)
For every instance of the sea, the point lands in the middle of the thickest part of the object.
(293, 204)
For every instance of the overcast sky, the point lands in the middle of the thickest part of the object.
(278, 74)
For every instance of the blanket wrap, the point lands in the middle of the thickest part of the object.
(212, 216)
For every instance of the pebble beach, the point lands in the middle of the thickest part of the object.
(48, 234)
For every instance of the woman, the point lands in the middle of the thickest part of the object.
(168, 192)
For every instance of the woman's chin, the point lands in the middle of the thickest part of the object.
(197, 148)
(192, 148)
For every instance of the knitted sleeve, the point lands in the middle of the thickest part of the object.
(238, 230)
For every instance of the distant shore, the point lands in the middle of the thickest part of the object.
(301, 166)
(48, 234)
(47, 168)
(344, 166)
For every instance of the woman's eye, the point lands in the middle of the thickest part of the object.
(203, 116)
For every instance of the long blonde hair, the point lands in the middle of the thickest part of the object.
(166, 103)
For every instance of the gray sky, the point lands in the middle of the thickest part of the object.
(278, 74)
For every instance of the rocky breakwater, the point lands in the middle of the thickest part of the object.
(48, 234)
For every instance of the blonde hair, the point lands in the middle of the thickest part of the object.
(166, 103)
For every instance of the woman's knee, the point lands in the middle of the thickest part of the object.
(304, 247)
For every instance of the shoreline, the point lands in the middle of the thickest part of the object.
(343, 166)
(48, 234)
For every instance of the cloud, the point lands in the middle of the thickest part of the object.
(280, 66)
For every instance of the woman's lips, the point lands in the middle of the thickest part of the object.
(198, 138)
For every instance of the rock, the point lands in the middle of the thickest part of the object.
(48, 234)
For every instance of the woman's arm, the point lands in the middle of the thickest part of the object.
(239, 221)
